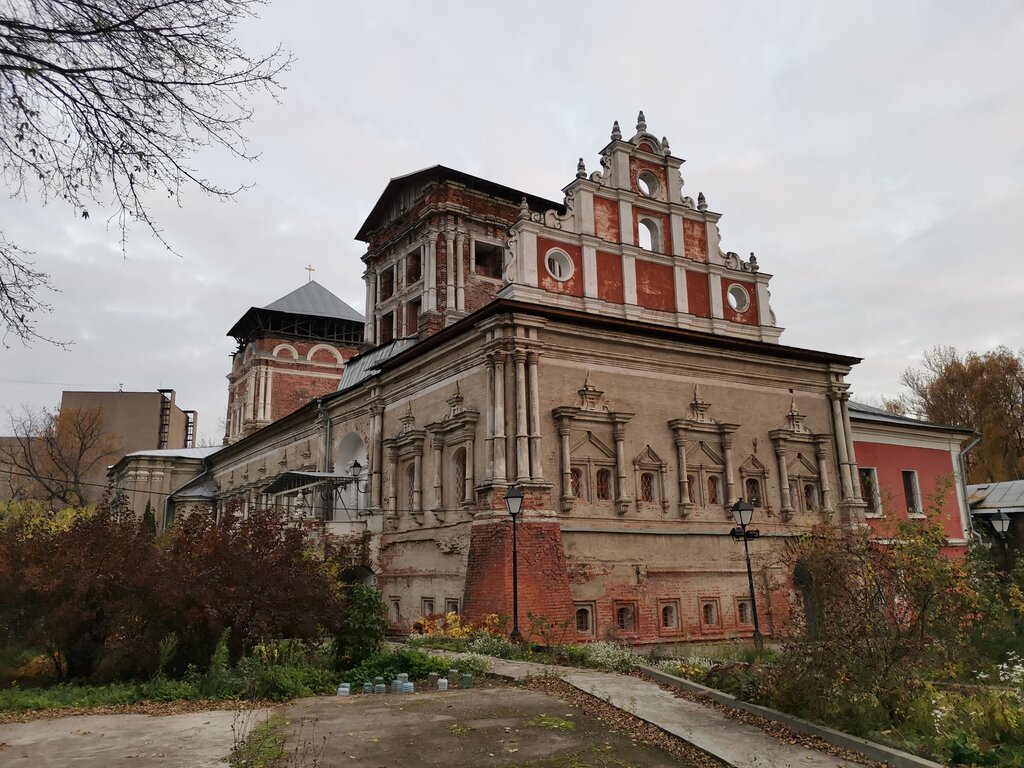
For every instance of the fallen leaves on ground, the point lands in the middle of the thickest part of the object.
(771, 727)
(154, 708)
(635, 728)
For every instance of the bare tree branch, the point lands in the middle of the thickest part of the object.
(105, 101)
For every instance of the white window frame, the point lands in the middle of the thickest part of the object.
(918, 511)
(877, 491)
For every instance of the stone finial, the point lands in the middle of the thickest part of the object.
(702, 203)
(616, 132)
(699, 407)
(795, 419)
(581, 169)
(664, 145)
(455, 402)
(590, 397)
(524, 208)
(641, 122)
(753, 262)
(408, 419)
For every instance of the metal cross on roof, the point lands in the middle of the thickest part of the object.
(310, 269)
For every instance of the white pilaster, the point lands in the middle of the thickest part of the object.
(589, 271)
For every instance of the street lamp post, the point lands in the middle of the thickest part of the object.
(514, 504)
(1001, 525)
(742, 512)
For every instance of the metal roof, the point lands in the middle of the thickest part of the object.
(179, 453)
(1007, 496)
(444, 173)
(871, 413)
(366, 365)
(313, 299)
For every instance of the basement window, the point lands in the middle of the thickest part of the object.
(585, 619)
(624, 618)
(709, 612)
(488, 259)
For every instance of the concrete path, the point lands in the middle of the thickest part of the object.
(735, 742)
(195, 740)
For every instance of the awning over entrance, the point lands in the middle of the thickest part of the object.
(289, 481)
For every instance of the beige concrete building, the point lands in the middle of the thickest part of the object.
(603, 354)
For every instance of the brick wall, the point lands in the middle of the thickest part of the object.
(543, 577)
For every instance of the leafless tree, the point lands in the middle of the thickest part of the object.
(52, 456)
(105, 101)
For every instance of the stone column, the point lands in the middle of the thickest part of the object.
(489, 417)
(438, 489)
(563, 436)
(460, 278)
(851, 454)
(619, 433)
(393, 482)
(430, 272)
(846, 482)
(536, 466)
(684, 478)
(826, 490)
(787, 503)
(370, 276)
(470, 471)
(417, 482)
(376, 453)
(500, 472)
(449, 278)
(522, 434)
(730, 479)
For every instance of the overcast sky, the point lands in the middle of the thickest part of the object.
(870, 153)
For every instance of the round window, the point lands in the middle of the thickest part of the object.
(648, 184)
(558, 264)
(738, 297)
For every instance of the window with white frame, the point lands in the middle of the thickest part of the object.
(709, 612)
(744, 612)
(585, 618)
(648, 235)
(625, 617)
(451, 605)
(396, 610)
(869, 490)
(912, 492)
(426, 606)
(669, 616)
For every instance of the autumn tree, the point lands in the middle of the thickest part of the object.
(982, 391)
(54, 456)
(109, 100)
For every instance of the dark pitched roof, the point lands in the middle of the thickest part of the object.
(443, 173)
(313, 299)
(871, 413)
(307, 312)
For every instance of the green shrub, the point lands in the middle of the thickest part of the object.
(388, 664)
(495, 645)
(363, 626)
(610, 657)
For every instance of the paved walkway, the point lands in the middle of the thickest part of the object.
(735, 742)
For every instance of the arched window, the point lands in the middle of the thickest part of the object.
(713, 493)
(604, 484)
(458, 477)
(649, 235)
(410, 488)
(647, 486)
(583, 622)
(753, 489)
(743, 611)
(576, 481)
(624, 617)
(709, 613)
(668, 617)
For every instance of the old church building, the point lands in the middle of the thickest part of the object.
(603, 354)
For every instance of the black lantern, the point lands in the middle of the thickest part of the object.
(1000, 523)
(514, 505)
(742, 512)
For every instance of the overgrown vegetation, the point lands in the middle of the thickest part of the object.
(897, 643)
